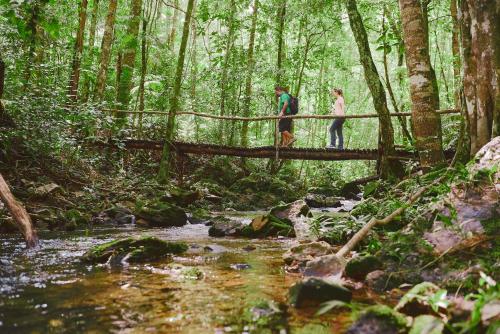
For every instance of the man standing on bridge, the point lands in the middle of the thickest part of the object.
(285, 124)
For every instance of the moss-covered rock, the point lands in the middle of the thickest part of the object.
(268, 225)
(300, 254)
(314, 291)
(427, 324)
(159, 214)
(359, 267)
(379, 319)
(133, 250)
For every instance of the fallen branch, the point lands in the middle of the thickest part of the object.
(19, 214)
(360, 235)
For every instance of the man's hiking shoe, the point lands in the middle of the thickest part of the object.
(290, 143)
(330, 147)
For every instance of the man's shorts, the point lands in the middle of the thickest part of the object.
(285, 124)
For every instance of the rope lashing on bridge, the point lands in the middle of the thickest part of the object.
(266, 118)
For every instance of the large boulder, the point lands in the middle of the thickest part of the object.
(314, 291)
(161, 214)
(183, 197)
(291, 211)
(225, 227)
(471, 208)
(132, 250)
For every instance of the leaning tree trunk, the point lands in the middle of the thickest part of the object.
(480, 48)
(250, 69)
(387, 167)
(426, 122)
(129, 53)
(174, 100)
(19, 214)
(107, 41)
(77, 53)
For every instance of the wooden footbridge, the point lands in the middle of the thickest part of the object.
(269, 152)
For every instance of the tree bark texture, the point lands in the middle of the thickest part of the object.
(480, 48)
(225, 63)
(174, 100)
(19, 214)
(387, 167)
(107, 42)
(250, 69)
(90, 54)
(77, 53)
(129, 54)
(426, 122)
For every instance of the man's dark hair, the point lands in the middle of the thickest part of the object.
(279, 88)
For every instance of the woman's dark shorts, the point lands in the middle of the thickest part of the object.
(285, 124)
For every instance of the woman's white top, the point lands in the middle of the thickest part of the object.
(339, 107)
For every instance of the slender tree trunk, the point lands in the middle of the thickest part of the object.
(33, 28)
(144, 69)
(456, 52)
(92, 33)
(19, 214)
(129, 53)
(77, 53)
(388, 167)
(107, 42)
(163, 173)
(225, 65)
(281, 28)
(479, 22)
(173, 30)
(194, 78)
(401, 119)
(426, 122)
(250, 69)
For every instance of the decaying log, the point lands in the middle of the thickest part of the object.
(19, 214)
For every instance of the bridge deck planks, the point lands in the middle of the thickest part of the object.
(289, 153)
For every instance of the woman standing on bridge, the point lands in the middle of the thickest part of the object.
(338, 123)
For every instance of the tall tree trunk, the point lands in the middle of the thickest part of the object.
(424, 5)
(426, 122)
(107, 41)
(163, 173)
(401, 119)
(281, 28)
(388, 167)
(129, 53)
(33, 28)
(455, 47)
(77, 53)
(19, 214)
(225, 65)
(173, 30)
(144, 69)
(93, 27)
(479, 25)
(250, 69)
(194, 78)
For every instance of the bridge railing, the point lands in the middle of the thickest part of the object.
(145, 123)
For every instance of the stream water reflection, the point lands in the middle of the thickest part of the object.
(205, 291)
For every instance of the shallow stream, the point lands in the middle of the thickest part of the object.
(206, 290)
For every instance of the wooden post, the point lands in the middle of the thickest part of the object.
(19, 214)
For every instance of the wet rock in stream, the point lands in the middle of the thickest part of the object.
(161, 214)
(132, 250)
(315, 291)
(225, 227)
(298, 255)
(359, 267)
(115, 215)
